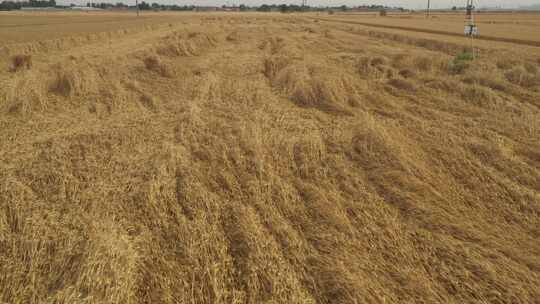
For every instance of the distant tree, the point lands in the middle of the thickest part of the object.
(264, 8)
(38, 3)
(144, 6)
(104, 5)
(454, 8)
(344, 8)
(10, 5)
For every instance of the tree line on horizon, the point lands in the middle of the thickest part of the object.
(15, 5)
(284, 8)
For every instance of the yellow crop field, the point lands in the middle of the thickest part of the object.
(524, 27)
(268, 158)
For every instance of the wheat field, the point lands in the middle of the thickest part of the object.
(265, 158)
(521, 26)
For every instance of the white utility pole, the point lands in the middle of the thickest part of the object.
(470, 28)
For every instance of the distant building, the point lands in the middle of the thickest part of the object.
(48, 8)
(85, 8)
(205, 8)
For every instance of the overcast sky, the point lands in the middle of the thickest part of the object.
(403, 3)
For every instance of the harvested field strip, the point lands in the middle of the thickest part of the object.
(414, 29)
(107, 20)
